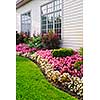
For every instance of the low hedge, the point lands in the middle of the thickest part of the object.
(62, 52)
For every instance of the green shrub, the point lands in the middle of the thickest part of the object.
(81, 51)
(78, 64)
(62, 52)
(26, 40)
(35, 42)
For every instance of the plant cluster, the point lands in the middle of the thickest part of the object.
(24, 48)
(50, 40)
(62, 52)
(36, 42)
(81, 51)
(21, 38)
(68, 64)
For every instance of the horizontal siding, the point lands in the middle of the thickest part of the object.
(73, 4)
(74, 35)
(73, 17)
(70, 2)
(74, 46)
(74, 38)
(72, 23)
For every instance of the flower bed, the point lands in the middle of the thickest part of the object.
(64, 71)
(63, 64)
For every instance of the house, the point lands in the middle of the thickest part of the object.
(65, 17)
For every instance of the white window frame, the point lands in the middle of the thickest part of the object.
(26, 23)
(53, 12)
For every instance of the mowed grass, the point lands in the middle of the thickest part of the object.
(32, 85)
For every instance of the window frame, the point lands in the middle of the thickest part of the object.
(53, 12)
(27, 21)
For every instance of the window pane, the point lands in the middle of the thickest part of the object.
(50, 5)
(43, 18)
(60, 1)
(57, 2)
(58, 31)
(58, 17)
(29, 15)
(57, 7)
(29, 21)
(43, 22)
(22, 17)
(44, 27)
(44, 9)
(50, 26)
(26, 22)
(50, 18)
(22, 22)
(59, 25)
(50, 22)
(43, 31)
(50, 10)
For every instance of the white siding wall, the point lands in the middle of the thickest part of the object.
(34, 7)
(72, 24)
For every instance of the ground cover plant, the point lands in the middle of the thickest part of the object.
(32, 85)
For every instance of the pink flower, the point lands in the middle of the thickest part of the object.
(63, 64)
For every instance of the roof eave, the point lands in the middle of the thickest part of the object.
(21, 3)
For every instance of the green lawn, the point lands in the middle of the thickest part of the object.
(32, 85)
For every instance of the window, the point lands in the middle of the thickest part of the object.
(26, 23)
(51, 17)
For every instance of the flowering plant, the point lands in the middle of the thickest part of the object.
(24, 48)
(64, 64)
(50, 40)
